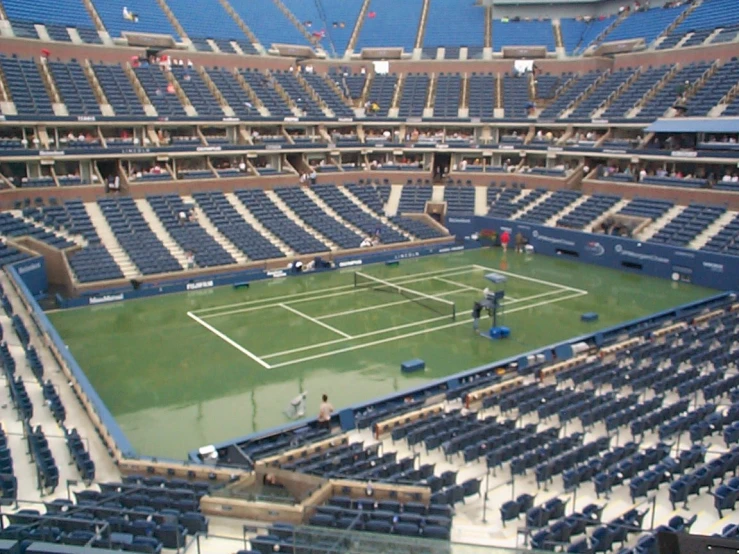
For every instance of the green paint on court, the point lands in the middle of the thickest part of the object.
(181, 371)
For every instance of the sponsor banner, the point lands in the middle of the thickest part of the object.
(595, 248)
(105, 299)
(277, 274)
(350, 263)
(641, 256)
(33, 274)
(200, 285)
(537, 235)
(703, 268)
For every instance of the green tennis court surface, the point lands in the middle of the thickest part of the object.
(181, 371)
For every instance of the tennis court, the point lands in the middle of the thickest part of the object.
(184, 370)
(369, 312)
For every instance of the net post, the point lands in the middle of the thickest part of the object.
(355, 279)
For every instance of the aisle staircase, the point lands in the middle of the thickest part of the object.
(107, 237)
(254, 222)
(712, 230)
(284, 208)
(159, 230)
(213, 231)
(367, 210)
(660, 223)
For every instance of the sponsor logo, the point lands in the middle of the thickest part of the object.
(277, 274)
(51, 153)
(546, 238)
(230, 119)
(273, 147)
(291, 119)
(459, 220)
(717, 268)
(594, 248)
(350, 263)
(619, 249)
(406, 255)
(199, 285)
(346, 119)
(682, 254)
(105, 299)
(85, 118)
(684, 154)
(26, 269)
(208, 149)
(613, 151)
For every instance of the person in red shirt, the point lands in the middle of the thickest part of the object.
(505, 238)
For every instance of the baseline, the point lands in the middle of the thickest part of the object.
(229, 340)
(530, 279)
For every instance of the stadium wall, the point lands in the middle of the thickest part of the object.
(203, 283)
(27, 276)
(701, 268)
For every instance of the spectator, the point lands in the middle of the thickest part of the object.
(324, 413)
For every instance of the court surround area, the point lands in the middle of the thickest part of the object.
(181, 371)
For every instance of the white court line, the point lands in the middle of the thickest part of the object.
(404, 326)
(376, 332)
(456, 284)
(361, 336)
(470, 287)
(352, 290)
(230, 341)
(400, 280)
(314, 320)
(531, 279)
(386, 305)
(416, 333)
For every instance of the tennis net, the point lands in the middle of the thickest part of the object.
(433, 303)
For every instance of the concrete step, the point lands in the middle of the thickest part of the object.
(326, 208)
(393, 201)
(107, 237)
(617, 207)
(567, 209)
(660, 223)
(213, 231)
(366, 209)
(712, 230)
(162, 234)
(438, 193)
(481, 201)
(272, 195)
(254, 222)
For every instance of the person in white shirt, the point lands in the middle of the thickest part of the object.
(190, 259)
(324, 413)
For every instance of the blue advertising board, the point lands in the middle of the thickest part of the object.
(668, 262)
(33, 273)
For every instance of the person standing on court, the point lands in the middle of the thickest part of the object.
(476, 310)
(324, 413)
(505, 238)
